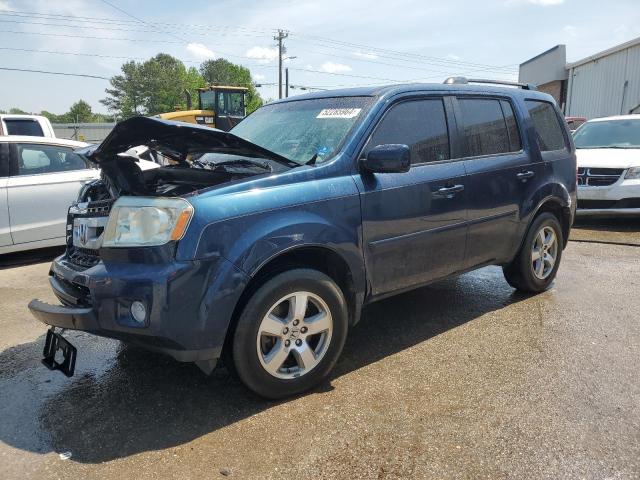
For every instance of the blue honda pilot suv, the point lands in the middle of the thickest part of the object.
(261, 245)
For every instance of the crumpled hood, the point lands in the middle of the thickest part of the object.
(608, 157)
(176, 140)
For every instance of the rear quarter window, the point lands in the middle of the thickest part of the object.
(23, 127)
(549, 131)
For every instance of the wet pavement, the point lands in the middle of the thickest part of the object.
(462, 379)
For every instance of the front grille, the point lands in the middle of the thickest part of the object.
(85, 257)
(598, 177)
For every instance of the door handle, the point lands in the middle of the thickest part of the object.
(448, 192)
(525, 175)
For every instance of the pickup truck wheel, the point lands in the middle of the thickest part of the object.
(537, 262)
(290, 333)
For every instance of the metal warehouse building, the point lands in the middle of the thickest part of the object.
(607, 83)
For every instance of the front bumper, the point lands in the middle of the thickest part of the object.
(619, 199)
(189, 304)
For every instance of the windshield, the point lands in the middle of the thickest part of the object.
(303, 129)
(608, 134)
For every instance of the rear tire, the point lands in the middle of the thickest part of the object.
(290, 333)
(536, 264)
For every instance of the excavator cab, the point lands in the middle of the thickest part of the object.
(219, 107)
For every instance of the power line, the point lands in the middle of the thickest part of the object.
(112, 29)
(67, 74)
(314, 39)
(106, 20)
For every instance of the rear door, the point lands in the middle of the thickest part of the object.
(500, 176)
(44, 181)
(5, 230)
(413, 223)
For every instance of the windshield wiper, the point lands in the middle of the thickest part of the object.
(242, 161)
(312, 160)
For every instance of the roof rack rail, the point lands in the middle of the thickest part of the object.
(465, 81)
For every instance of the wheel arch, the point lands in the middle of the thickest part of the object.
(315, 256)
(558, 205)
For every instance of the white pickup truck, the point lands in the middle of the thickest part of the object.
(31, 125)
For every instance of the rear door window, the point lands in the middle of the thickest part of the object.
(35, 159)
(420, 124)
(485, 128)
(23, 127)
(547, 125)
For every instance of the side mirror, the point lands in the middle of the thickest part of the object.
(392, 158)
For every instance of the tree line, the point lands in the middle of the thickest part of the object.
(155, 86)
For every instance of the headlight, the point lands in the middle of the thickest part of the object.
(633, 173)
(145, 221)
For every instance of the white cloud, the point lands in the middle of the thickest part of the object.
(570, 30)
(451, 56)
(543, 3)
(367, 55)
(546, 3)
(263, 54)
(331, 67)
(4, 5)
(258, 77)
(200, 51)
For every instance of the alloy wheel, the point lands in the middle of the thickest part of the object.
(294, 335)
(544, 252)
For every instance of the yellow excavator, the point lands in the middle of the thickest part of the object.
(220, 107)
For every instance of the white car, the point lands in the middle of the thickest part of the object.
(39, 179)
(32, 125)
(608, 151)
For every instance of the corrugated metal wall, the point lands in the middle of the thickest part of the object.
(607, 86)
(83, 132)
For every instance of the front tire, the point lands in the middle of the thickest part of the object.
(290, 333)
(536, 265)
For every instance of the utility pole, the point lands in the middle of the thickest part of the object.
(281, 51)
(286, 83)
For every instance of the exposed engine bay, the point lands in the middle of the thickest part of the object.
(149, 157)
(123, 176)
(192, 158)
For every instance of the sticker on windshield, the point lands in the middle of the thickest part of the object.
(339, 113)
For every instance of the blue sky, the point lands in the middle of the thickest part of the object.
(336, 42)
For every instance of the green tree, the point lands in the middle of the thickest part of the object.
(17, 111)
(151, 87)
(52, 117)
(80, 112)
(125, 96)
(223, 72)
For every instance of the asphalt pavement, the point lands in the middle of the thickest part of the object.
(461, 379)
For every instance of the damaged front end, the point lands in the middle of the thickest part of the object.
(191, 158)
(120, 276)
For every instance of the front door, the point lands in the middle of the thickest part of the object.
(414, 223)
(5, 230)
(44, 181)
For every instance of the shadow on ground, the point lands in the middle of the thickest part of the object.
(124, 401)
(20, 259)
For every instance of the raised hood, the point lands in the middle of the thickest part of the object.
(176, 140)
